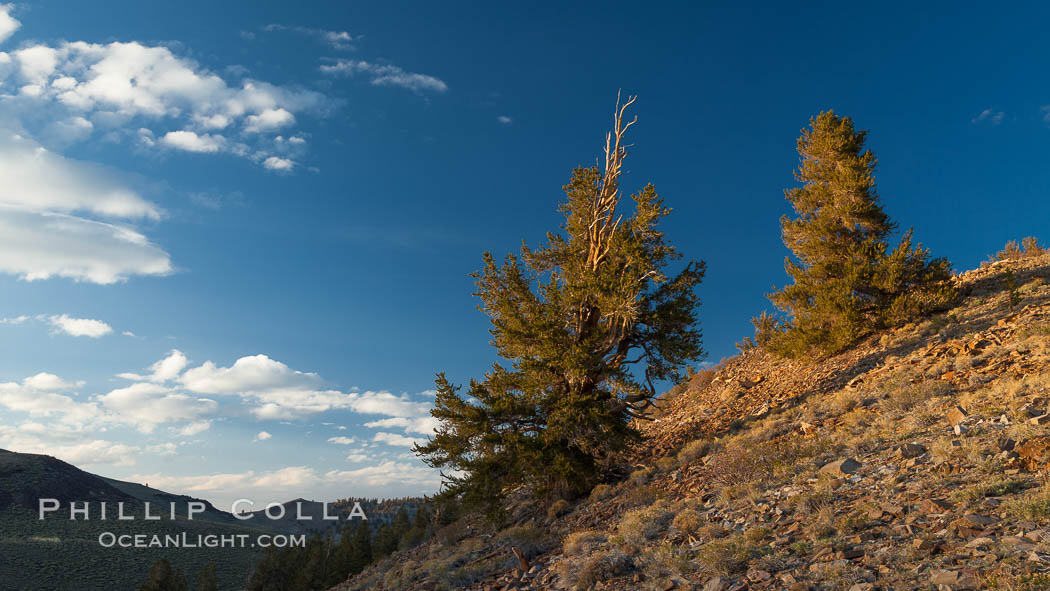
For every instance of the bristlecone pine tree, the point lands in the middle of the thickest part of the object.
(845, 281)
(588, 323)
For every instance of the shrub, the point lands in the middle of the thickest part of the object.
(584, 542)
(600, 492)
(641, 525)
(558, 508)
(693, 451)
(530, 540)
(1028, 248)
(639, 477)
(666, 464)
(641, 495)
(725, 557)
(744, 461)
(600, 566)
(687, 521)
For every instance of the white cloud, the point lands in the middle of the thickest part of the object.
(36, 179)
(8, 24)
(989, 116)
(164, 449)
(191, 142)
(163, 370)
(248, 375)
(80, 327)
(505, 120)
(69, 446)
(40, 237)
(37, 246)
(342, 440)
(138, 91)
(148, 405)
(262, 436)
(422, 425)
(397, 440)
(275, 163)
(385, 75)
(268, 120)
(278, 391)
(401, 411)
(50, 382)
(191, 429)
(387, 473)
(341, 40)
(282, 484)
(36, 397)
(385, 403)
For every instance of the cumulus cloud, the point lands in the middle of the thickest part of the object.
(397, 440)
(38, 396)
(8, 24)
(79, 327)
(192, 142)
(276, 163)
(262, 436)
(278, 391)
(44, 381)
(505, 120)
(140, 91)
(70, 446)
(341, 440)
(161, 371)
(385, 75)
(148, 405)
(268, 120)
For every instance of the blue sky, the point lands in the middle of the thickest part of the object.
(234, 244)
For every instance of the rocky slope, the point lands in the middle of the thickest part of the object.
(914, 460)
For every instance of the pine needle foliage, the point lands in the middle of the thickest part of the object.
(845, 280)
(586, 324)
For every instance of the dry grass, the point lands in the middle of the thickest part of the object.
(727, 556)
(584, 542)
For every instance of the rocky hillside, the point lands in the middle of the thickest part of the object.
(912, 461)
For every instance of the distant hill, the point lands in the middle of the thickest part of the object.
(60, 554)
(25, 478)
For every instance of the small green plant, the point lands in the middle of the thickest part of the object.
(1010, 284)
(1034, 506)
